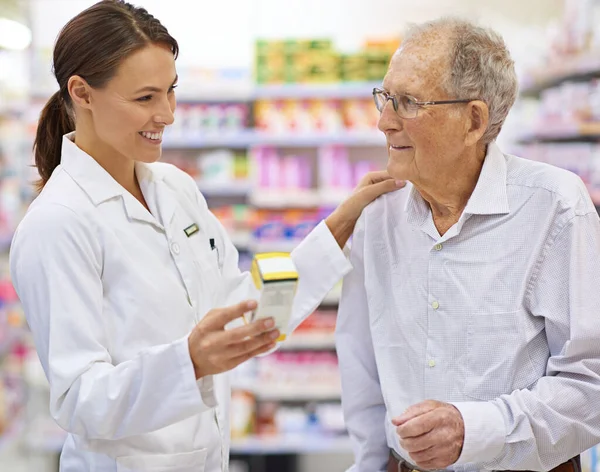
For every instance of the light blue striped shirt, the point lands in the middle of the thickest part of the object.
(499, 316)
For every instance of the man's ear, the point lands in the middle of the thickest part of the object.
(478, 122)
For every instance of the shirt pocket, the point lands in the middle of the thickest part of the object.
(207, 264)
(194, 461)
(498, 360)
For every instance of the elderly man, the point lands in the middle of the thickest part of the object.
(469, 331)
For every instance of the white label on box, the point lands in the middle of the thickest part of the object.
(276, 300)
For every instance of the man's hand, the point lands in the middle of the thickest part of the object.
(432, 433)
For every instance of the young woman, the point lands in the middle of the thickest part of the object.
(126, 278)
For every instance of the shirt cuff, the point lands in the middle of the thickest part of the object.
(321, 264)
(325, 249)
(485, 434)
(207, 391)
(205, 385)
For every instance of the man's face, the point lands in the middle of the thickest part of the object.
(423, 148)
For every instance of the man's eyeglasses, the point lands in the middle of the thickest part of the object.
(405, 105)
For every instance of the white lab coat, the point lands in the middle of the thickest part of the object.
(111, 293)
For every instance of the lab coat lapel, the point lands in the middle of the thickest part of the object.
(166, 206)
(136, 211)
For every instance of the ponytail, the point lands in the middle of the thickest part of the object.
(54, 122)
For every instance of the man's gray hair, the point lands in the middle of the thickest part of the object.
(480, 66)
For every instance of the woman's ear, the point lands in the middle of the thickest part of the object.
(80, 92)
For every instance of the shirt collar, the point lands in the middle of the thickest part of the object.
(488, 198)
(91, 177)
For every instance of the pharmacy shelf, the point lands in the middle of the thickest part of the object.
(310, 198)
(13, 433)
(242, 240)
(339, 90)
(308, 393)
(310, 342)
(275, 245)
(280, 198)
(234, 140)
(577, 68)
(292, 444)
(247, 92)
(346, 138)
(563, 132)
(248, 138)
(225, 189)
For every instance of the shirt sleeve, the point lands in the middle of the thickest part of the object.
(362, 399)
(559, 417)
(56, 267)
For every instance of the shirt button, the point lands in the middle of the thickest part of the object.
(435, 305)
(438, 247)
(431, 363)
(175, 248)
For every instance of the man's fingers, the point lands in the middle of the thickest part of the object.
(415, 410)
(219, 317)
(424, 456)
(418, 426)
(419, 443)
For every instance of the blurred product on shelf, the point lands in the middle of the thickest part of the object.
(298, 116)
(293, 174)
(316, 60)
(320, 115)
(236, 219)
(569, 110)
(297, 372)
(216, 171)
(222, 166)
(283, 228)
(274, 171)
(320, 323)
(338, 174)
(577, 32)
(562, 124)
(262, 230)
(243, 414)
(13, 350)
(293, 393)
(277, 419)
(200, 119)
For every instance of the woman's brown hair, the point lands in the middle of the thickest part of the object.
(92, 45)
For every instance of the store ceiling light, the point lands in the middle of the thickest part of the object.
(14, 35)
